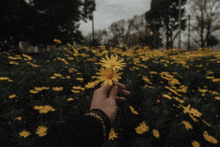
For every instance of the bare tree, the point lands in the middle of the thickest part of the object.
(118, 30)
(100, 37)
(137, 23)
(207, 14)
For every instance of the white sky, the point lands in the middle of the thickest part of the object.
(109, 11)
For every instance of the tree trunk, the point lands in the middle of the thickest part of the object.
(208, 33)
(171, 40)
(202, 30)
(167, 36)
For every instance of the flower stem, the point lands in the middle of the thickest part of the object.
(112, 85)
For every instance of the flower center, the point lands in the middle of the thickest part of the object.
(109, 76)
(112, 64)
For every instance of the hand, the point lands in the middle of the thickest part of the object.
(107, 102)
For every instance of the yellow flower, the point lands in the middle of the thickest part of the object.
(144, 127)
(156, 133)
(187, 125)
(107, 76)
(70, 99)
(43, 111)
(18, 118)
(48, 108)
(12, 96)
(24, 134)
(75, 91)
(32, 91)
(139, 130)
(57, 75)
(186, 109)
(4, 78)
(209, 138)
(90, 85)
(41, 131)
(112, 134)
(38, 107)
(196, 112)
(132, 110)
(112, 63)
(52, 77)
(57, 88)
(57, 41)
(195, 144)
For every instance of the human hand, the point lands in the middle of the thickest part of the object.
(107, 102)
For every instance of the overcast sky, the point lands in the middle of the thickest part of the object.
(109, 11)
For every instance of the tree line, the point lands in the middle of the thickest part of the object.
(39, 22)
(162, 21)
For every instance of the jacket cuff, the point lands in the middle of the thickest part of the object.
(106, 120)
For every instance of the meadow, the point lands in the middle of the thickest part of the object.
(174, 97)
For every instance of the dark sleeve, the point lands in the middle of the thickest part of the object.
(84, 132)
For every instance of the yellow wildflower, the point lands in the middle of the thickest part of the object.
(112, 63)
(133, 111)
(139, 130)
(24, 134)
(108, 76)
(57, 41)
(112, 134)
(156, 133)
(41, 131)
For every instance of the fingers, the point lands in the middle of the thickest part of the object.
(120, 86)
(125, 92)
(120, 99)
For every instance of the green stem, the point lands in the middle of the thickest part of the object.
(112, 84)
(112, 80)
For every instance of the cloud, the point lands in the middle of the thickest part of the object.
(123, 1)
(109, 11)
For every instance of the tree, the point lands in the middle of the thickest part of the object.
(207, 19)
(41, 21)
(104, 33)
(212, 41)
(118, 30)
(140, 38)
(99, 35)
(101, 38)
(131, 39)
(149, 41)
(154, 23)
(136, 24)
(165, 13)
(97, 39)
(15, 22)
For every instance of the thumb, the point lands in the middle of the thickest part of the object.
(113, 93)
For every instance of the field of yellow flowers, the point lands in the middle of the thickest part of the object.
(174, 96)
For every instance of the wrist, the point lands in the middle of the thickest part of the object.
(94, 115)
